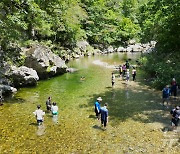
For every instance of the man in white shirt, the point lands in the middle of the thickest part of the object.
(39, 115)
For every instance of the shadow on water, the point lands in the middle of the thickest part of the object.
(92, 116)
(98, 127)
(14, 99)
(135, 103)
(33, 124)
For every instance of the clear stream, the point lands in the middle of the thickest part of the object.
(135, 114)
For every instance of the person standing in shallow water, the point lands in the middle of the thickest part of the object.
(54, 109)
(113, 79)
(165, 95)
(39, 115)
(175, 118)
(134, 73)
(120, 70)
(97, 107)
(124, 70)
(104, 115)
(48, 104)
(127, 64)
(174, 87)
(127, 75)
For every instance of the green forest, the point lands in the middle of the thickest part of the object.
(60, 24)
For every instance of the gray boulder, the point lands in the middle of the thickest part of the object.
(82, 45)
(120, 49)
(97, 51)
(23, 76)
(45, 62)
(137, 48)
(71, 70)
(129, 49)
(132, 42)
(110, 49)
(6, 90)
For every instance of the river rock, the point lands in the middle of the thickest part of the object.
(129, 49)
(77, 51)
(132, 42)
(153, 43)
(120, 49)
(6, 89)
(97, 51)
(137, 48)
(82, 45)
(23, 76)
(45, 62)
(110, 49)
(71, 70)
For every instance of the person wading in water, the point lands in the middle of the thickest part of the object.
(97, 107)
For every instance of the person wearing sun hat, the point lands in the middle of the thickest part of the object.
(97, 107)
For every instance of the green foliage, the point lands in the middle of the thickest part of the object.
(159, 20)
(61, 23)
(109, 24)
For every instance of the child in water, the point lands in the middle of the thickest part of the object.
(54, 109)
(113, 79)
(39, 115)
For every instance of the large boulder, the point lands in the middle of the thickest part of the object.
(71, 70)
(6, 90)
(120, 49)
(110, 49)
(82, 45)
(137, 48)
(45, 62)
(23, 76)
(84, 48)
(132, 42)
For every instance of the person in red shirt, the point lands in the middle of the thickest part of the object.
(174, 87)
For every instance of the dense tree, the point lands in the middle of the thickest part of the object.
(160, 21)
(109, 22)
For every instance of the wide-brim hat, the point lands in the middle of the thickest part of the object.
(99, 99)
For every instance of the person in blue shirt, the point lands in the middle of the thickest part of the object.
(97, 107)
(166, 94)
(104, 115)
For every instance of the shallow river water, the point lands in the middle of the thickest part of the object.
(135, 114)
